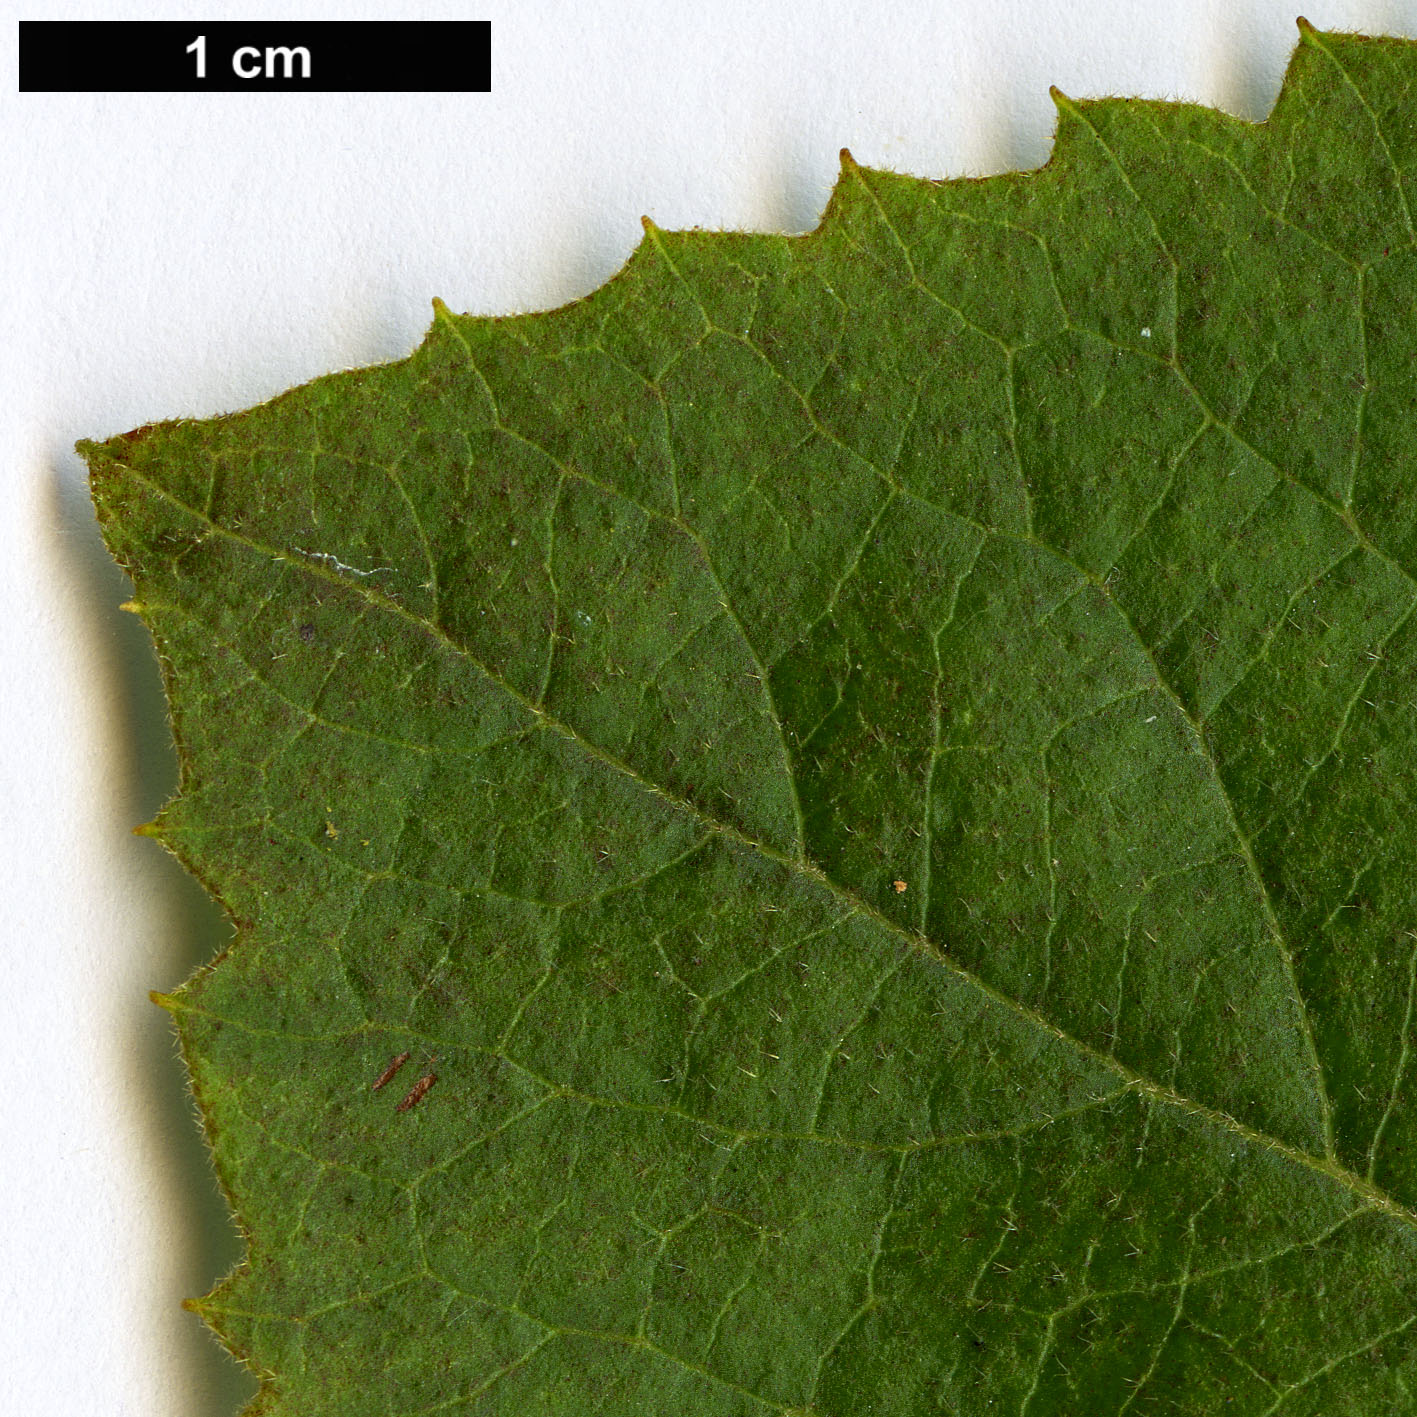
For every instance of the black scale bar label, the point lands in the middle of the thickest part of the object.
(227, 56)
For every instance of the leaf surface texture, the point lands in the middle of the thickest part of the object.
(871, 776)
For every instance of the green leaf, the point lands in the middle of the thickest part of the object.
(869, 778)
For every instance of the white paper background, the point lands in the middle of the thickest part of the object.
(185, 254)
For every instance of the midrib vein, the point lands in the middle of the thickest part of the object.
(1327, 1166)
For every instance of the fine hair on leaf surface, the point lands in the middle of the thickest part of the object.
(829, 829)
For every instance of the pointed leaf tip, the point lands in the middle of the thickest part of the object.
(163, 1001)
(713, 849)
(1305, 28)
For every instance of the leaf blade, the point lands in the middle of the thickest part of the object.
(760, 729)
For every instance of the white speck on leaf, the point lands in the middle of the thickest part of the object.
(325, 558)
